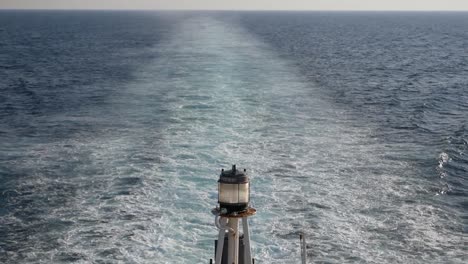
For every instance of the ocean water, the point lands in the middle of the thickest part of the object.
(114, 127)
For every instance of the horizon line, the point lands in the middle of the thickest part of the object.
(235, 10)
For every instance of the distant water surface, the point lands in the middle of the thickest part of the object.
(114, 127)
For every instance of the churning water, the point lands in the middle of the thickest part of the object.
(114, 127)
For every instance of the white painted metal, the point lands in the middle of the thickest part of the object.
(222, 232)
(233, 241)
(247, 250)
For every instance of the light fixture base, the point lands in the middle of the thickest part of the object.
(249, 212)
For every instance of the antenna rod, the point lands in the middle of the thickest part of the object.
(303, 248)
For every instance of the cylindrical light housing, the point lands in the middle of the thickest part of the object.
(233, 191)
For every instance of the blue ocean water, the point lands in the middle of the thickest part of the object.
(114, 127)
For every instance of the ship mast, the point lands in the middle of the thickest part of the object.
(233, 247)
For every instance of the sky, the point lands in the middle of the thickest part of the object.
(454, 5)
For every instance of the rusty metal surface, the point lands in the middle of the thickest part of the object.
(249, 212)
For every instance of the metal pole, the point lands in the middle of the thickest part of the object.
(247, 253)
(219, 247)
(303, 248)
(233, 241)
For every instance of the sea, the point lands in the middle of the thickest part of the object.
(115, 125)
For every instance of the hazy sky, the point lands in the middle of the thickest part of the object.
(240, 4)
